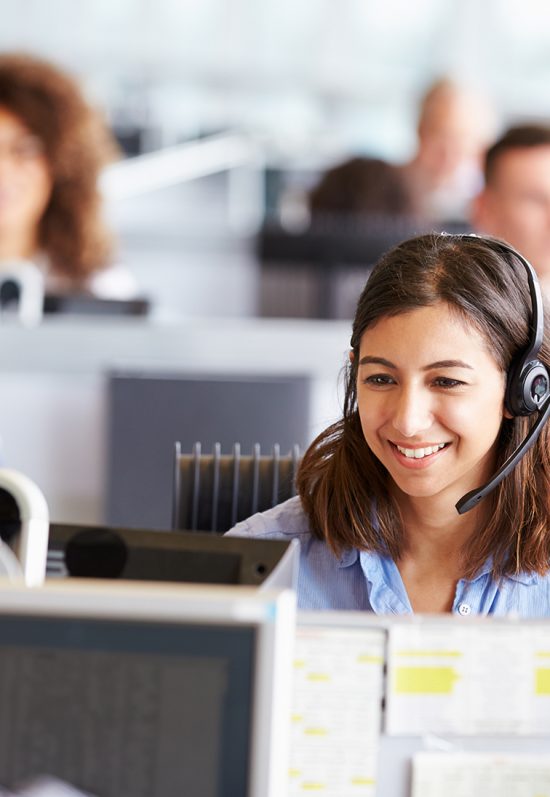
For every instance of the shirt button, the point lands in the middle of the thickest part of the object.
(464, 608)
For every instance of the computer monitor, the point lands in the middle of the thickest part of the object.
(152, 690)
(320, 271)
(110, 552)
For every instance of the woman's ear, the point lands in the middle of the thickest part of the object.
(351, 356)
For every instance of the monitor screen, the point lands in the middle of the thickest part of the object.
(109, 552)
(130, 706)
(155, 705)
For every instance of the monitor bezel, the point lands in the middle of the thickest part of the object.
(278, 559)
(270, 612)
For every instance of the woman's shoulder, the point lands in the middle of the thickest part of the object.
(284, 521)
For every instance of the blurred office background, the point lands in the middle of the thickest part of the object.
(302, 85)
(250, 100)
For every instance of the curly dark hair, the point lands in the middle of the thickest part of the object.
(77, 144)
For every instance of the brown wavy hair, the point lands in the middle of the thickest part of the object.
(344, 487)
(77, 144)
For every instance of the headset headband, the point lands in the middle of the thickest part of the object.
(537, 311)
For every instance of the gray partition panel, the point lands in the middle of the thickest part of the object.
(148, 412)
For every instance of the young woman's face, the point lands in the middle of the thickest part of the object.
(431, 402)
(25, 180)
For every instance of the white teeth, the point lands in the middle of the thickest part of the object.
(419, 453)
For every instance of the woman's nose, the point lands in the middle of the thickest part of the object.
(412, 412)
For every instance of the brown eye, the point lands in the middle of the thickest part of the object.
(378, 380)
(443, 381)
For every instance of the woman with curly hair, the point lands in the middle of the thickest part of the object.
(53, 146)
(432, 492)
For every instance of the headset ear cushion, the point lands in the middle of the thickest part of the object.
(527, 388)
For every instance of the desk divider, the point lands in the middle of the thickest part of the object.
(420, 706)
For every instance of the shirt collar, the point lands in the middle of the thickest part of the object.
(524, 578)
(350, 556)
(486, 569)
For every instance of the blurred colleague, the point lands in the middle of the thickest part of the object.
(52, 148)
(361, 186)
(455, 125)
(515, 202)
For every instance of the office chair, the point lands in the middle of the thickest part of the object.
(148, 410)
(24, 525)
(21, 292)
(212, 492)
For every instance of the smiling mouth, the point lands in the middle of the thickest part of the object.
(420, 453)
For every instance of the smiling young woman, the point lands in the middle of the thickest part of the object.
(426, 420)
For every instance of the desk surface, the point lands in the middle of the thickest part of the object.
(245, 345)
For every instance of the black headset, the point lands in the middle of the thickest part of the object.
(528, 380)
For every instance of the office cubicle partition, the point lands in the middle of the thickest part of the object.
(420, 706)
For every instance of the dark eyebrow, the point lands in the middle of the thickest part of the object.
(448, 364)
(377, 361)
(439, 364)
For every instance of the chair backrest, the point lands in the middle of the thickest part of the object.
(214, 491)
(22, 292)
(147, 411)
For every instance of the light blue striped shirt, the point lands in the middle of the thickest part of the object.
(364, 581)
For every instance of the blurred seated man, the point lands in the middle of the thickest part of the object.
(455, 125)
(515, 202)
